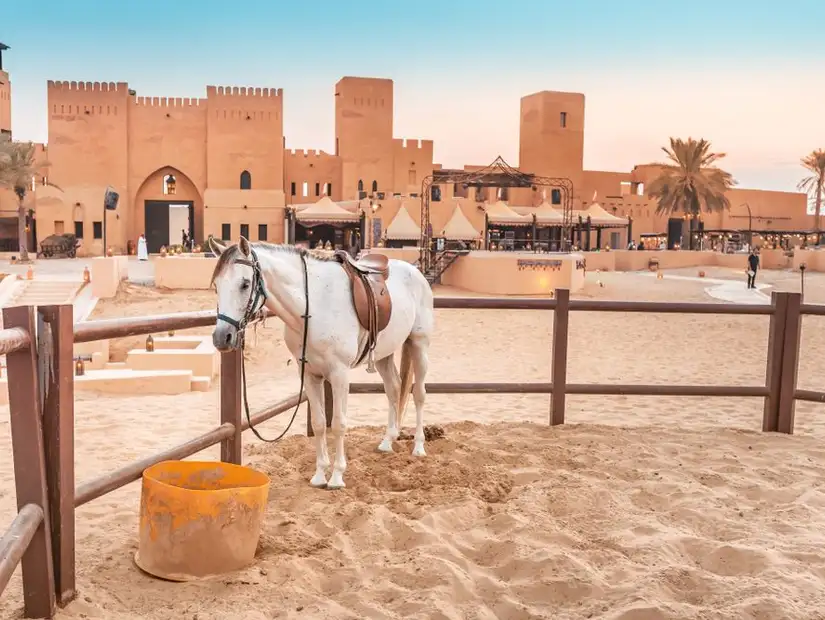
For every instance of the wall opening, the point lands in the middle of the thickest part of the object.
(563, 119)
(262, 232)
(305, 189)
(555, 196)
(374, 186)
(246, 180)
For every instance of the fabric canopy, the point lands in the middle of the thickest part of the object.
(546, 215)
(459, 227)
(500, 213)
(403, 226)
(325, 210)
(600, 217)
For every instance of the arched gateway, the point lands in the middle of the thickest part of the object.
(166, 204)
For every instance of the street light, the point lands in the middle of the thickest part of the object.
(750, 223)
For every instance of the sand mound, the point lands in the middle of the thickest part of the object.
(517, 521)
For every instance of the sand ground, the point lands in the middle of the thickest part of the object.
(639, 508)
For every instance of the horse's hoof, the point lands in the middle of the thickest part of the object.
(418, 450)
(336, 482)
(385, 446)
(319, 481)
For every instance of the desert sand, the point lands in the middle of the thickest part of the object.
(639, 508)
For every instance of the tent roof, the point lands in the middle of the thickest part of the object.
(459, 227)
(325, 210)
(500, 213)
(600, 217)
(403, 226)
(547, 215)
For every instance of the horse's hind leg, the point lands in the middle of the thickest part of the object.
(314, 387)
(421, 362)
(392, 384)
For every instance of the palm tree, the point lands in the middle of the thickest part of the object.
(18, 167)
(814, 185)
(689, 183)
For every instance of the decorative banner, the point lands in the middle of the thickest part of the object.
(376, 231)
(544, 265)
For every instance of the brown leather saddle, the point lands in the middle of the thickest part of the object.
(370, 296)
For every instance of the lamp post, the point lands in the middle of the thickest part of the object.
(750, 223)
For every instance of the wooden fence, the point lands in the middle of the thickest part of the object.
(41, 403)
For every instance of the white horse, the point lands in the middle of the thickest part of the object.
(287, 281)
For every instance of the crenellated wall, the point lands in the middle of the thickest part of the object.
(412, 162)
(245, 132)
(315, 168)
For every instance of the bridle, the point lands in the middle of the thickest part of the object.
(254, 313)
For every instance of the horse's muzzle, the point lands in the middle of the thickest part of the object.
(225, 337)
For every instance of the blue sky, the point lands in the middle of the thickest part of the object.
(746, 75)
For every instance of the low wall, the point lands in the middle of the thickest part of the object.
(184, 272)
(814, 260)
(515, 273)
(409, 255)
(106, 273)
(635, 260)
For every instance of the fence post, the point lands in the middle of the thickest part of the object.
(561, 318)
(55, 331)
(327, 409)
(30, 464)
(773, 373)
(790, 364)
(231, 385)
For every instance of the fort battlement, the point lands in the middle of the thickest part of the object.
(412, 144)
(306, 153)
(243, 91)
(106, 87)
(169, 102)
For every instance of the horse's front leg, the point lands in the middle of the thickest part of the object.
(314, 387)
(340, 392)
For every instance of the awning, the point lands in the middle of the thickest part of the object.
(403, 226)
(459, 228)
(326, 211)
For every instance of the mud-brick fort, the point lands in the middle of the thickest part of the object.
(221, 165)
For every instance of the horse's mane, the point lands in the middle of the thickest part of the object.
(232, 252)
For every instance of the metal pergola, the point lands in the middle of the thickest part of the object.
(497, 174)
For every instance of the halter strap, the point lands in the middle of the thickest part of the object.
(257, 298)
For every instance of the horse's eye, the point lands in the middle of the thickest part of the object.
(244, 285)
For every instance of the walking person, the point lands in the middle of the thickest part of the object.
(753, 266)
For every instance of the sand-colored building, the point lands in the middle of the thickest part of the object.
(218, 165)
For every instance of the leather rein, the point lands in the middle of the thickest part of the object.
(253, 314)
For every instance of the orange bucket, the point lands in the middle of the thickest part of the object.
(199, 518)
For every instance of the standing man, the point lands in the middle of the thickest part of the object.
(753, 265)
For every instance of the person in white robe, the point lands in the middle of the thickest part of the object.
(142, 252)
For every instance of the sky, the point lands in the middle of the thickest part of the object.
(745, 74)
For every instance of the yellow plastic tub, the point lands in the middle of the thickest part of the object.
(199, 518)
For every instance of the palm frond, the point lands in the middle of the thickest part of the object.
(689, 183)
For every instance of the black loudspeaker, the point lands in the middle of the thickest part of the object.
(110, 199)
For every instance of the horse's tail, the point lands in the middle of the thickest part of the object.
(406, 382)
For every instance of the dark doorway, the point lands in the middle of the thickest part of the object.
(156, 223)
(674, 232)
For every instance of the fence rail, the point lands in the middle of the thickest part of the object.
(42, 536)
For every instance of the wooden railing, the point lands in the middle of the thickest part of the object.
(44, 455)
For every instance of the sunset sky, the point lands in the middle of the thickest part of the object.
(747, 75)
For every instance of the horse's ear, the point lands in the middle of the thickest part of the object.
(216, 247)
(243, 245)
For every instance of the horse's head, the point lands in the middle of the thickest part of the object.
(241, 293)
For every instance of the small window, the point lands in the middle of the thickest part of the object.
(435, 193)
(305, 189)
(317, 189)
(262, 232)
(226, 232)
(329, 190)
(246, 180)
(59, 227)
(245, 230)
(97, 230)
(563, 119)
(504, 193)
(360, 185)
(555, 196)
(292, 188)
(78, 230)
(374, 186)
